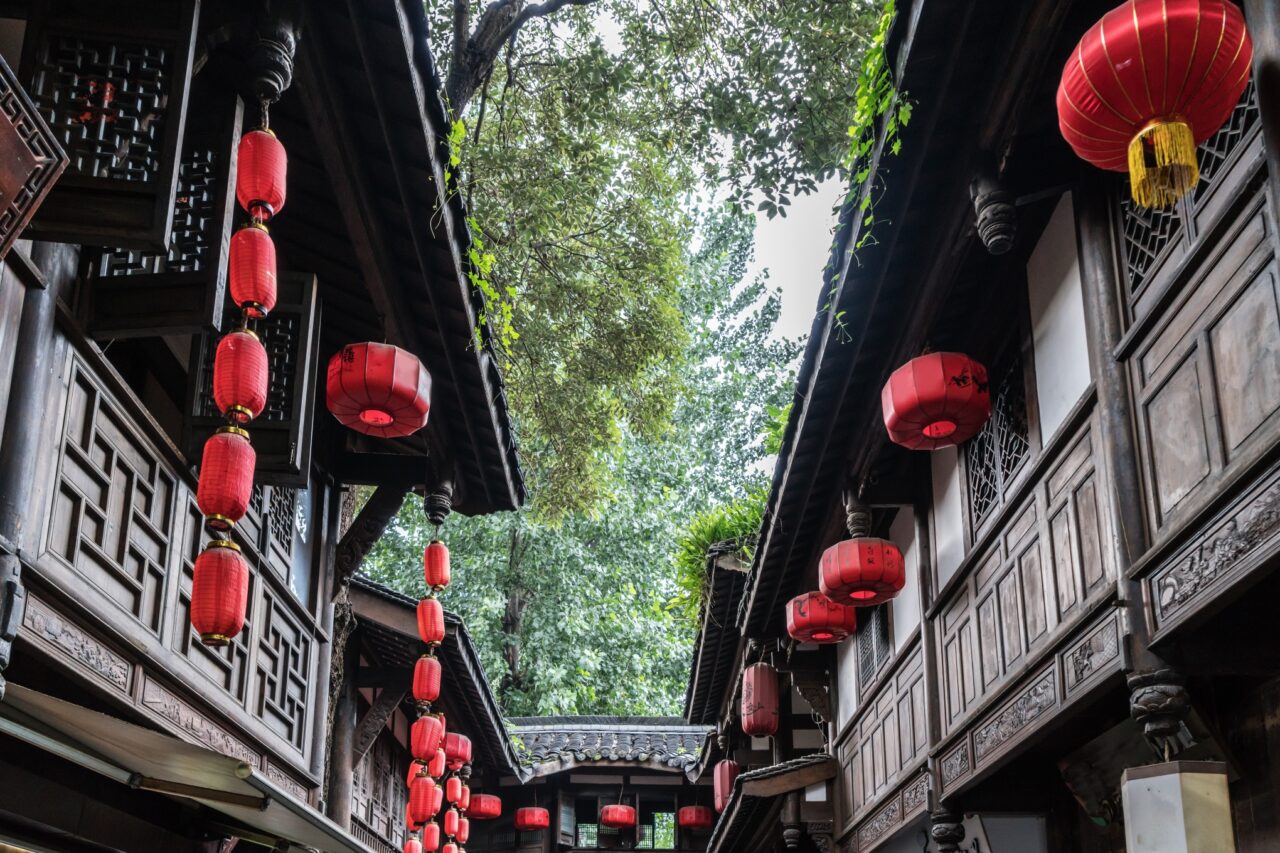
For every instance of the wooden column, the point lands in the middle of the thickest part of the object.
(1263, 18)
(342, 738)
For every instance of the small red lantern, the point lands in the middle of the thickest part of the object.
(450, 848)
(759, 700)
(409, 823)
(532, 819)
(457, 749)
(865, 571)
(251, 270)
(484, 807)
(261, 174)
(695, 817)
(437, 799)
(431, 621)
(421, 793)
(240, 376)
(415, 767)
(464, 801)
(412, 845)
(1148, 83)
(378, 389)
(726, 772)
(435, 563)
(936, 400)
(814, 618)
(226, 478)
(618, 816)
(219, 593)
(437, 764)
(464, 830)
(426, 679)
(453, 789)
(431, 837)
(425, 735)
(450, 822)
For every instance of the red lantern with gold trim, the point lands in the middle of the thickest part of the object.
(226, 478)
(484, 807)
(814, 618)
(936, 400)
(425, 736)
(863, 572)
(426, 679)
(435, 562)
(251, 271)
(1148, 83)
(378, 389)
(261, 173)
(431, 837)
(532, 818)
(457, 749)
(219, 593)
(726, 771)
(695, 817)
(759, 700)
(421, 795)
(618, 816)
(431, 621)
(240, 376)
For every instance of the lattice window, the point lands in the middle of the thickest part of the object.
(1146, 234)
(588, 835)
(875, 645)
(284, 504)
(994, 456)
(1217, 150)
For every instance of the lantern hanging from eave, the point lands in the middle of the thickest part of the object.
(450, 822)
(226, 478)
(261, 174)
(863, 571)
(532, 818)
(695, 817)
(935, 401)
(425, 736)
(726, 771)
(219, 593)
(378, 389)
(453, 789)
(421, 794)
(618, 816)
(814, 618)
(412, 845)
(484, 807)
(759, 700)
(240, 376)
(457, 749)
(431, 837)
(1150, 81)
(464, 830)
(426, 680)
(251, 270)
(431, 621)
(435, 564)
(436, 766)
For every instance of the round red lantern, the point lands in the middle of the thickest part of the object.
(421, 794)
(226, 478)
(412, 845)
(425, 735)
(1148, 83)
(450, 822)
(457, 749)
(240, 376)
(759, 700)
(431, 837)
(863, 571)
(484, 807)
(814, 618)
(431, 621)
(219, 593)
(464, 801)
(726, 771)
(936, 400)
(426, 679)
(435, 563)
(453, 789)
(618, 816)
(463, 834)
(261, 173)
(695, 817)
(437, 764)
(251, 270)
(532, 818)
(378, 389)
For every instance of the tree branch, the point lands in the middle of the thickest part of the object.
(540, 10)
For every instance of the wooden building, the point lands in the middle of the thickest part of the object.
(1090, 578)
(119, 729)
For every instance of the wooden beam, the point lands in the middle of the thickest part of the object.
(342, 739)
(795, 780)
(367, 607)
(366, 530)
(375, 720)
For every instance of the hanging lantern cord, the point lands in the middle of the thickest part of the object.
(264, 107)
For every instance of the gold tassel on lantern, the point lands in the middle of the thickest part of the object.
(1162, 163)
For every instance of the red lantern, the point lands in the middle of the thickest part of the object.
(251, 270)
(240, 376)
(726, 772)
(415, 767)
(464, 830)
(412, 845)
(484, 807)
(532, 819)
(457, 749)
(453, 789)
(450, 822)
(437, 799)
(378, 389)
(431, 621)
(464, 801)
(814, 618)
(431, 837)
(759, 700)
(219, 593)
(936, 400)
(695, 817)
(261, 174)
(421, 793)
(409, 823)
(426, 679)
(618, 816)
(435, 563)
(1148, 83)
(450, 848)
(226, 478)
(437, 764)
(862, 572)
(425, 735)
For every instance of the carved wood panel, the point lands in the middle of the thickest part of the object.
(30, 159)
(283, 667)
(378, 792)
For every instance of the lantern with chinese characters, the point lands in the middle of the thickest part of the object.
(457, 750)
(240, 376)
(219, 593)
(426, 680)
(695, 817)
(261, 174)
(421, 795)
(226, 478)
(484, 807)
(435, 563)
(936, 400)
(251, 271)
(1148, 83)
(726, 771)
(618, 816)
(814, 618)
(759, 700)
(532, 818)
(425, 736)
(378, 389)
(862, 571)
(431, 621)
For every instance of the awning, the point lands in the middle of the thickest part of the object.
(151, 761)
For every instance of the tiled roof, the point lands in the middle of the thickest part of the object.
(549, 745)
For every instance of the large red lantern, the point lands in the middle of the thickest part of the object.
(436, 766)
(226, 478)
(431, 621)
(425, 735)
(936, 400)
(532, 818)
(457, 749)
(431, 837)
(484, 807)
(435, 563)
(219, 593)
(463, 834)
(450, 822)
(421, 794)
(759, 700)
(617, 816)
(695, 817)
(240, 376)
(814, 618)
(426, 680)
(261, 174)
(378, 389)
(1148, 83)
(864, 571)
(412, 845)
(251, 270)
(726, 771)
